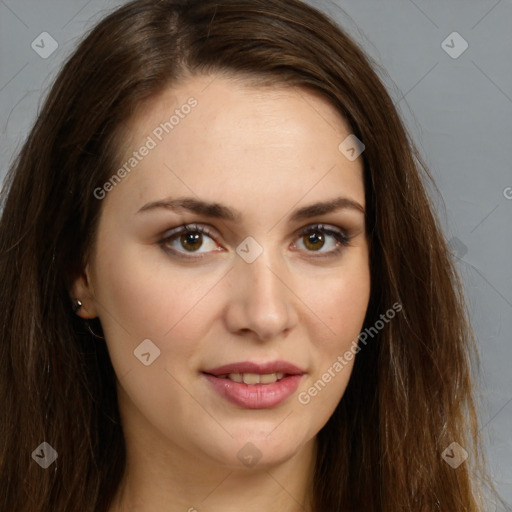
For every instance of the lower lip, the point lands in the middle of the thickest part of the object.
(255, 396)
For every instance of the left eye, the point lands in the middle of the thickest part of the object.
(314, 238)
(192, 237)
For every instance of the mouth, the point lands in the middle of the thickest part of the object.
(255, 386)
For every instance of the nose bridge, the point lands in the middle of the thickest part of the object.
(264, 303)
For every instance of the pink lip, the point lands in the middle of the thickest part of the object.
(255, 396)
(261, 369)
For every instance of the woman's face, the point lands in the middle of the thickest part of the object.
(253, 296)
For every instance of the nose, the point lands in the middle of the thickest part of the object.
(262, 300)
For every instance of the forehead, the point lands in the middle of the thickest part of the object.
(220, 138)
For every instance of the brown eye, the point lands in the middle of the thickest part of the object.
(316, 238)
(189, 239)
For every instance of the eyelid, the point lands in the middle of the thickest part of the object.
(192, 227)
(323, 227)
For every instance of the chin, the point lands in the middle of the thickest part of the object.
(257, 452)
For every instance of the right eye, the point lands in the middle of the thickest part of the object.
(188, 238)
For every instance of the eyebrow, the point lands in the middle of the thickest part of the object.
(219, 211)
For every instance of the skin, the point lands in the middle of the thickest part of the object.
(265, 151)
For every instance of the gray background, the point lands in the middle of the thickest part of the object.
(458, 110)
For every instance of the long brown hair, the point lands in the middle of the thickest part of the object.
(411, 392)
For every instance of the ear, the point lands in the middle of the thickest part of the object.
(81, 289)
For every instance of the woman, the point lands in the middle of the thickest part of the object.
(224, 283)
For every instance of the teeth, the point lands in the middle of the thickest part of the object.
(251, 378)
(268, 378)
(254, 378)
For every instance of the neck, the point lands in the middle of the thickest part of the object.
(157, 484)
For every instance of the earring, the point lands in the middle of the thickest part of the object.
(77, 304)
(92, 332)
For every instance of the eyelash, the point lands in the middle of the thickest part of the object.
(342, 239)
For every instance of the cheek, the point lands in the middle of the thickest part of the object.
(142, 296)
(341, 300)
(341, 303)
(346, 307)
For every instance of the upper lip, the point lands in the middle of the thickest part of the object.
(258, 368)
